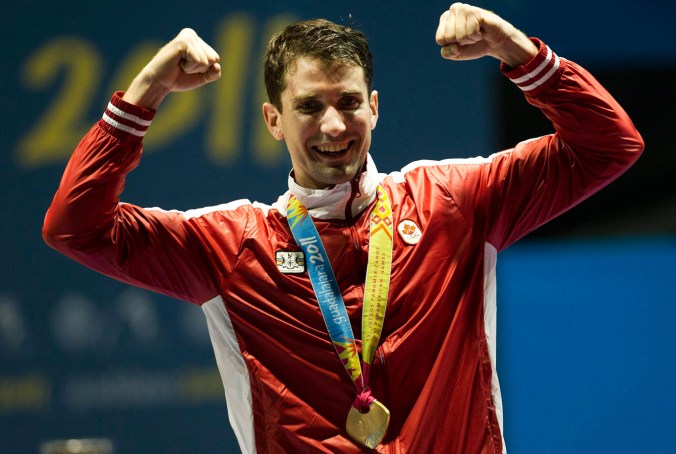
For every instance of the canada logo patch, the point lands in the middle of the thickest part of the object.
(409, 231)
(290, 262)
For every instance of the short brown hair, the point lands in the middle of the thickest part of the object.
(324, 40)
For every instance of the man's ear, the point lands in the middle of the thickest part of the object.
(272, 120)
(373, 105)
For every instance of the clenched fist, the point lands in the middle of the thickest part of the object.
(184, 63)
(467, 32)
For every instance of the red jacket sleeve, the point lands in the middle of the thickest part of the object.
(149, 248)
(595, 142)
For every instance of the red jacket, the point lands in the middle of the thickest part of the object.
(435, 370)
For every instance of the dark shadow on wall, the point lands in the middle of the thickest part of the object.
(643, 200)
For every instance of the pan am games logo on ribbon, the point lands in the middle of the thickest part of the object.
(295, 212)
(347, 352)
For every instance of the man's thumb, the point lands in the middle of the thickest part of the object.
(213, 73)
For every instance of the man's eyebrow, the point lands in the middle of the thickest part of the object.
(304, 97)
(312, 95)
(350, 92)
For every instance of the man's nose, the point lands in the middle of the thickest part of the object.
(333, 123)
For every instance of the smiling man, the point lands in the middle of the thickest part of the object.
(321, 102)
(327, 123)
(357, 312)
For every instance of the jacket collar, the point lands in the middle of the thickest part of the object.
(332, 203)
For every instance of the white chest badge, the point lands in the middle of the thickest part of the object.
(290, 262)
(409, 231)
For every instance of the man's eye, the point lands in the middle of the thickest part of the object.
(350, 103)
(309, 106)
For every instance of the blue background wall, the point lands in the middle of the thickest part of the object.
(586, 347)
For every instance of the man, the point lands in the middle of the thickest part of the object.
(284, 293)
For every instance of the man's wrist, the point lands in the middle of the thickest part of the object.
(145, 92)
(517, 50)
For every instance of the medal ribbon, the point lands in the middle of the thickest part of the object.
(331, 301)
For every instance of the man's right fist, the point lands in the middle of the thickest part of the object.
(184, 63)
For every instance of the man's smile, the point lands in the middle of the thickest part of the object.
(333, 149)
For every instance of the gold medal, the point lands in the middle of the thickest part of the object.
(368, 428)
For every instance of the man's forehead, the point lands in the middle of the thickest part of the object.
(306, 74)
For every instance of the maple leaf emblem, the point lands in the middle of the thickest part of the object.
(409, 229)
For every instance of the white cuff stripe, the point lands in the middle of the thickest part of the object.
(544, 78)
(121, 113)
(121, 127)
(536, 71)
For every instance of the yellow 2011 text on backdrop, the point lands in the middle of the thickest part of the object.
(70, 69)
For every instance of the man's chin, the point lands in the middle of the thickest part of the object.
(346, 174)
(333, 178)
(324, 177)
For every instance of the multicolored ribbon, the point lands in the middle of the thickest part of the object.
(331, 301)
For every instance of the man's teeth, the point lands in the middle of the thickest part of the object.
(332, 147)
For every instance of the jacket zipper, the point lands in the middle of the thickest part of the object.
(386, 381)
(354, 193)
(385, 399)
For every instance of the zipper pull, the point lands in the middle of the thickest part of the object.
(354, 193)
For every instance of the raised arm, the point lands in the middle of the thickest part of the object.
(149, 248)
(511, 193)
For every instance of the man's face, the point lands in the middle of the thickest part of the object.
(326, 120)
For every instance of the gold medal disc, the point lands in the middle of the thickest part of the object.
(368, 428)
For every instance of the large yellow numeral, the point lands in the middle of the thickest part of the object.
(224, 133)
(268, 151)
(178, 113)
(63, 123)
